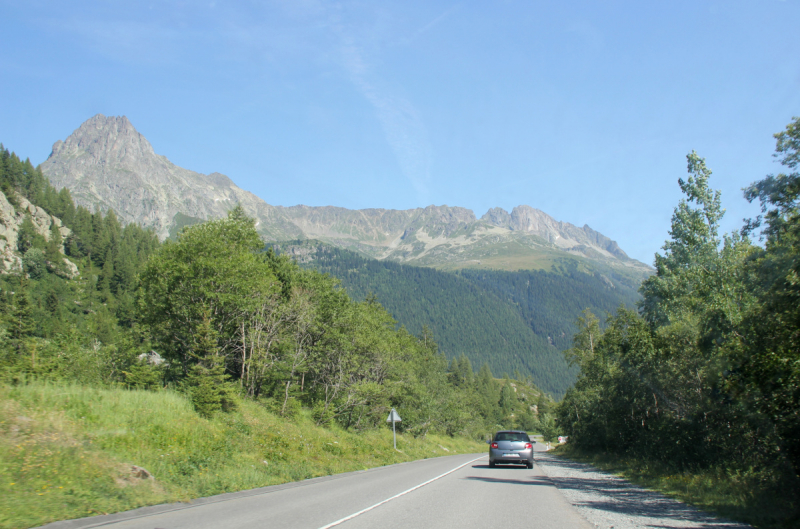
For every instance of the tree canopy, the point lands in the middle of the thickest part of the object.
(707, 373)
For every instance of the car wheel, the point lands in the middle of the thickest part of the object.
(530, 464)
(491, 464)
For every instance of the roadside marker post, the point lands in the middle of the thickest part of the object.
(393, 418)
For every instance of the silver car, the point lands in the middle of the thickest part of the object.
(512, 447)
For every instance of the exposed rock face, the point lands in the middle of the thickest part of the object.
(11, 219)
(10, 259)
(562, 234)
(498, 217)
(106, 164)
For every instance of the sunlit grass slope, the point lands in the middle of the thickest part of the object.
(66, 451)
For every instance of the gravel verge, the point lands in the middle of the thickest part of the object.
(608, 501)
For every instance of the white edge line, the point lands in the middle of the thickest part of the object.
(362, 511)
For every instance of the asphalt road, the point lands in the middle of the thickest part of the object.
(454, 491)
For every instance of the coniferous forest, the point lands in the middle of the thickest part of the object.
(514, 321)
(48, 315)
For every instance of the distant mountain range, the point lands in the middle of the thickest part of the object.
(107, 164)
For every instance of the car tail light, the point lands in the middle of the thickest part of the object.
(494, 445)
(528, 445)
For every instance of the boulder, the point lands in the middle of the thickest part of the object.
(141, 473)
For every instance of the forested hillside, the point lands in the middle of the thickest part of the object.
(514, 321)
(217, 317)
(96, 308)
(464, 318)
(705, 378)
(551, 301)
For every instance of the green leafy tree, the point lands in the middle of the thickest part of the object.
(507, 398)
(461, 372)
(585, 340)
(215, 265)
(34, 263)
(771, 358)
(548, 428)
(663, 383)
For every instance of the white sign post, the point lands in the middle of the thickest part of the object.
(393, 418)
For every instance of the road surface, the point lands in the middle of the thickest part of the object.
(455, 491)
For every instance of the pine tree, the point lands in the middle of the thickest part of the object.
(80, 241)
(28, 237)
(207, 381)
(22, 323)
(124, 266)
(5, 304)
(65, 209)
(106, 275)
(52, 250)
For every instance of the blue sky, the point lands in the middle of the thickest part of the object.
(585, 110)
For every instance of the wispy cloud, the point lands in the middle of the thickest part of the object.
(402, 123)
(427, 27)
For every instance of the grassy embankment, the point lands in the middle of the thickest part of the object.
(756, 497)
(66, 451)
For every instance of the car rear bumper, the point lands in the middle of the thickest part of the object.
(501, 457)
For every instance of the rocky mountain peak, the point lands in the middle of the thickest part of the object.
(107, 164)
(448, 215)
(564, 235)
(106, 140)
(497, 217)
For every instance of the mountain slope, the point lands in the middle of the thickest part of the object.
(510, 320)
(465, 319)
(550, 302)
(107, 164)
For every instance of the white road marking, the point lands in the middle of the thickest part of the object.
(362, 511)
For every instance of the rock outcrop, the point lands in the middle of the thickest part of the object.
(11, 219)
(564, 235)
(10, 259)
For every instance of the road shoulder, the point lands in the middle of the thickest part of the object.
(606, 500)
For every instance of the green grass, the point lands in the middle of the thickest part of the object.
(66, 451)
(755, 496)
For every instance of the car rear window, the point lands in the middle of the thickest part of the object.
(511, 436)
